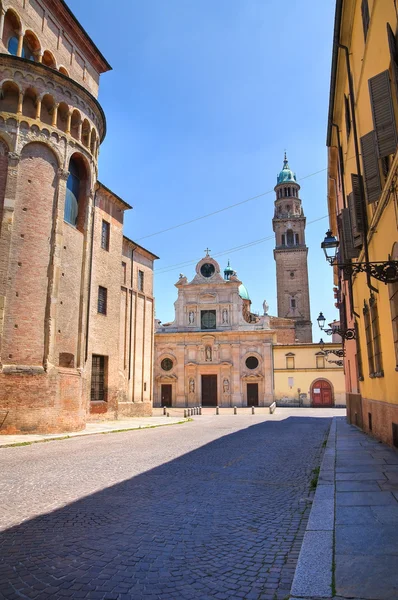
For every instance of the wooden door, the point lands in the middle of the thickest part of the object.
(322, 393)
(166, 394)
(209, 390)
(252, 394)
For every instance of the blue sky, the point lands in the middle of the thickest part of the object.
(203, 99)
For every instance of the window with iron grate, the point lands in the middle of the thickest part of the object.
(105, 235)
(102, 300)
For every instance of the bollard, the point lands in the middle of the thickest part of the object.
(252, 410)
(164, 410)
(185, 413)
(194, 410)
(200, 410)
(217, 410)
(189, 412)
(235, 410)
(167, 414)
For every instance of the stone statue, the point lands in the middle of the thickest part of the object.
(191, 317)
(265, 307)
(225, 315)
(208, 353)
(226, 386)
(191, 386)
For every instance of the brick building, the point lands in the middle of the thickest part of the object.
(76, 297)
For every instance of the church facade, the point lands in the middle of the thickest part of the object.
(216, 352)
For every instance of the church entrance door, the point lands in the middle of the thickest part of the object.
(252, 394)
(209, 390)
(322, 393)
(166, 394)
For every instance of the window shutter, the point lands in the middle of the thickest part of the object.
(357, 191)
(392, 42)
(353, 209)
(349, 250)
(383, 114)
(371, 167)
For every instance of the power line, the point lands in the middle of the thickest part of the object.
(229, 251)
(220, 210)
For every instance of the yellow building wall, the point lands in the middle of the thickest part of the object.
(305, 373)
(366, 61)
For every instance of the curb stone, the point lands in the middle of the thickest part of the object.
(313, 578)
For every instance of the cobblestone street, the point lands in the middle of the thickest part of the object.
(214, 508)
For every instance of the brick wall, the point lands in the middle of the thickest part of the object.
(25, 322)
(52, 36)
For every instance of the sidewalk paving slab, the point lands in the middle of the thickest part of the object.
(363, 561)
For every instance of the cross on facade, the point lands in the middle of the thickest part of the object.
(207, 251)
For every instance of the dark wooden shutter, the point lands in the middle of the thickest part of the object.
(371, 169)
(357, 212)
(383, 114)
(392, 43)
(365, 17)
(348, 249)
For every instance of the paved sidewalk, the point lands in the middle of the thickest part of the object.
(92, 428)
(350, 548)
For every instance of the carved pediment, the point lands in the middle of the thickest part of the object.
(208, 297)
(164, 377)
(253, 377)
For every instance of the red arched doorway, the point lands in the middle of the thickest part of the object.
(321, 393)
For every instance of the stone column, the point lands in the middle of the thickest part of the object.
(55, 115)
(20, 44)
(20, 103)
(79, 130)
(68, 122)
(2, 15)
(38, 108)
(268, 374)
(39, 56)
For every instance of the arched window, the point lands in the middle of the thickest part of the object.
(290, 237)
(13, 45)
(296, 239)
(283, 239)
(72, 194)
(11, 29)
(31, 46)
(49, 60)
(63, 71)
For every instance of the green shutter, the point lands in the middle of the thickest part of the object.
(356, 233)
(371, 169)
(383, 114)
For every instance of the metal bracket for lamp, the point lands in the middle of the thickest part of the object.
(339, 363)
(347, 334)
(384, 271)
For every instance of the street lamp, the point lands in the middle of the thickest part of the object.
(347, 334)
(385, 271)
(329, 246)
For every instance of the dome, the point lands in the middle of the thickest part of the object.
(243, 293)
(286, 175)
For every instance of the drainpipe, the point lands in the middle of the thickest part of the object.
(339, 150)
(358, 163)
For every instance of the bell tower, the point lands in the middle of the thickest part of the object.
(290, 254)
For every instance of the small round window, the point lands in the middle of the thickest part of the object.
(166, 364)
(252, 362)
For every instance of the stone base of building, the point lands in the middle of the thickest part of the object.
(35, 401)
(134, 409)
(379, 419)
